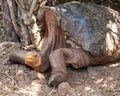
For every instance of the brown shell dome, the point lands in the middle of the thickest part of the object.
(96, 28)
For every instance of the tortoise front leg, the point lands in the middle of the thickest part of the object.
(58, 65)
(63, 57)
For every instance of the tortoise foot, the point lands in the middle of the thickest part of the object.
(56, 79)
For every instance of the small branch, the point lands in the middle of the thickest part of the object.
(28, 13)
(10, 78)
(24, 35)
(6, 74)
(32, 7)
(13, 17)
(21, 8)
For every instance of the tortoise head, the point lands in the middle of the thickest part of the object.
(30, 58)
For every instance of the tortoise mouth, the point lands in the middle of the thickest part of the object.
(34, 60)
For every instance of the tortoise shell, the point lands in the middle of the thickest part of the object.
(96, 28)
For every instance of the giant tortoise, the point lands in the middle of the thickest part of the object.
(90, 36)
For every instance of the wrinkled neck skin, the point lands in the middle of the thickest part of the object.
(53, 38)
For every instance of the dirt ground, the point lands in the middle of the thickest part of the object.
(19, 80)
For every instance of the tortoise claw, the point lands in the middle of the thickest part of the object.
(56, 79)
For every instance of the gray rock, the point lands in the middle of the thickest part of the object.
(64, 89)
